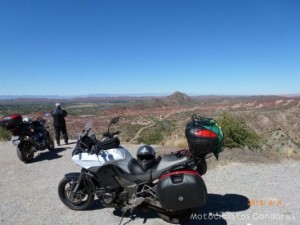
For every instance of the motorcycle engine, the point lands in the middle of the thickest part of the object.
(105, 196)
(108, 197)
(111, 198)
(39, 140)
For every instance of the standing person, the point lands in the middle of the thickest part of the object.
(59, 123)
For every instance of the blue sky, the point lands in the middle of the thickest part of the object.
(200, 47)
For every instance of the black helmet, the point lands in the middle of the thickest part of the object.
(145, 157)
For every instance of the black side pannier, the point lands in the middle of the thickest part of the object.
(203, 136)
(181, 190)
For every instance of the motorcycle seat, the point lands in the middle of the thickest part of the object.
(135, 168)
(163, 164)
(168, 163)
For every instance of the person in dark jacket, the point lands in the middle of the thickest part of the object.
(59, 123)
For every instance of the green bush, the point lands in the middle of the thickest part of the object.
(4, 134)
(237, 134)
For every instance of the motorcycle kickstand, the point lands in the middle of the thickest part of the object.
(137, 202)
(123, 214)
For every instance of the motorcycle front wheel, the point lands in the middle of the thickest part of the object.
(81, 199)
(24, 151)
(50, 145)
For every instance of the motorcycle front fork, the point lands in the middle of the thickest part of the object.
(78, 182)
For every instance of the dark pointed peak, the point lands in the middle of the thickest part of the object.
(177, 95)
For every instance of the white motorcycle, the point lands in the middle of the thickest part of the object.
(170, 184)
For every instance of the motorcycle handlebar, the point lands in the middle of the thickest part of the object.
(86, 131)
(111, 134)
(116, 133)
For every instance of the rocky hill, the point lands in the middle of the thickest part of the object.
(178, 99)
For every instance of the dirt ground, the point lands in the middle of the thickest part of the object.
(243, 188)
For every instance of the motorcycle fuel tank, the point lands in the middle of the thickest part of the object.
(116, 156)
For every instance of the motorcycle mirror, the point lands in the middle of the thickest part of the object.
(115, 120)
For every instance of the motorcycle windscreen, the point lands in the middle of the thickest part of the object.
(89, 124)
(181, 190)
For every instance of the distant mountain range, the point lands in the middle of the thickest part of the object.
(79, 96)
(53, 97)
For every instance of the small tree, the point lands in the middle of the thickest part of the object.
(236, 132)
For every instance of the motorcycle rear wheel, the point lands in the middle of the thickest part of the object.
(202, 167)
(24, 152)
(81, 200)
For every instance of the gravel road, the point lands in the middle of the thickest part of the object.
(29, 193)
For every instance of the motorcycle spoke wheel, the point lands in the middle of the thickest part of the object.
(80, 200)
(24, 152)
(51, 145)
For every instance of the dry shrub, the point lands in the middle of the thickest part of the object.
(180, 142)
